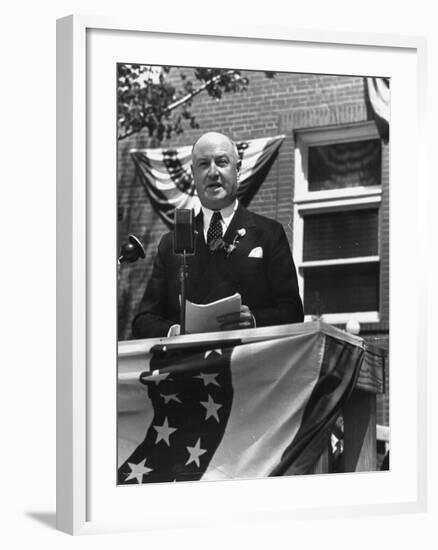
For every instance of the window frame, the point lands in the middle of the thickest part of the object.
(313, 202)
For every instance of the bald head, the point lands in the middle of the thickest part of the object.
(217, 137)
(215, 166)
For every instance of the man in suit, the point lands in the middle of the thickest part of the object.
(259, 265)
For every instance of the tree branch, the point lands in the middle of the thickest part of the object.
(180, 101)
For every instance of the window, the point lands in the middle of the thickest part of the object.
(338, 173)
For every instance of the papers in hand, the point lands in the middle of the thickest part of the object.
(202, 317)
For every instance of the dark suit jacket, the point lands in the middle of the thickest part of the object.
(268, 285)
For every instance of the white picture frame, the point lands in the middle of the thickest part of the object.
(86, 274)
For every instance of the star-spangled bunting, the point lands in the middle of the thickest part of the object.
(254, 410)
(190, 415)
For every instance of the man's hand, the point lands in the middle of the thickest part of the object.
(232, 321)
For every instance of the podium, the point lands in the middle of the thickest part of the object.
(358, 407)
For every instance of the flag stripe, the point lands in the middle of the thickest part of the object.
(268, 406)
(339, 372)
(378, 92)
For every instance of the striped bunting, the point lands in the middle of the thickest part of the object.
(167, 178)
(379, 98)
(228, 411)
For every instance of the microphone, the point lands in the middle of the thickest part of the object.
(184, 231)
(131, 251)
(183, 244)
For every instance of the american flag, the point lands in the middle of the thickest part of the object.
(226, 411)
(167, 177)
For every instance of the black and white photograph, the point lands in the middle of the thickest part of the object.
(219, 297)
(253, 274)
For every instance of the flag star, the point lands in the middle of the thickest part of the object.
(157, 376)
(208, 379)
(210, 351)
(138, 471)
(211, 407)
(164, 432)
(171, 397)
(195, 452)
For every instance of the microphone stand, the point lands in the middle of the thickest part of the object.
(183, 245)
(182, 278)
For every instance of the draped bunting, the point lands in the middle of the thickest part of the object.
(378, 95)
(341, 165)
(226, 411)
(167, 177)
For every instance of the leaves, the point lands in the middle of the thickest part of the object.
(147, 100)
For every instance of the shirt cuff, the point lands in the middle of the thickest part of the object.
(174, 330)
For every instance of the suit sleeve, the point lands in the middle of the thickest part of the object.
(282, 276)
(151, 319)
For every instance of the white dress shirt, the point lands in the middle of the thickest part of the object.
(227, 214)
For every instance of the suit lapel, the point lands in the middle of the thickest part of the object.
(242, 219)
(198, 264)
(201, 250)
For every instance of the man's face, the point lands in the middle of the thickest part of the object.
(215, 169)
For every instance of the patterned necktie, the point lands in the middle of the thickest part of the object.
(215, 229)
